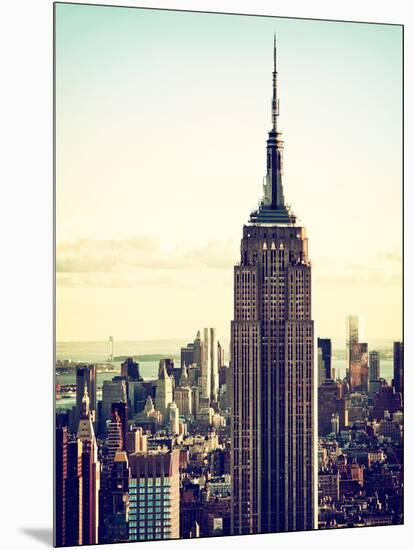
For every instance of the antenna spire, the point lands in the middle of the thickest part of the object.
(275, 100)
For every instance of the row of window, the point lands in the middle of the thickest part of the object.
(150, 481)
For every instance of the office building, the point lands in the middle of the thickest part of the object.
(325, 351)
(130, 370)
(90, 474)
(374, 371)
(205, 375)
(272, 348)
(115, 504)
(61, 474)
(357, 356)
(154, 512)
(113, 391)
(399, 367)
(214, 365)
(187, 355)
(86, 374)
(164, 392)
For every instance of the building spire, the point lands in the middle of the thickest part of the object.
(275, 100)
(85, 402)
(272, 208)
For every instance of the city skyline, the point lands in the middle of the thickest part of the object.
(273, 436)
(107, 271)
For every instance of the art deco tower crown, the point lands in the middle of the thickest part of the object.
(272, 209)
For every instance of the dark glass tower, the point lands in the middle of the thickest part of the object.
(399, 367)
(325, 345)
(272, 346)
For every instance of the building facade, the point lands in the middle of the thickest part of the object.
(154, 496)
(374, 371)
(324, 359)
(357, 355)
(272, 346)
(399, 367)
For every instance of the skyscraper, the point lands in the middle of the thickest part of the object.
(115, 505)
(214, 365)
(154, 496)
(90, 474)
(198, 351)
(86, 374)
(182, 394)
(114, 440)
(399, 367)
(374, 371)
(61, 474)
(113, 391)
(206, 367)
(73, 495)
(357, 355)
(272, 343)
(325, 349)
(130, 369)
(164, 392)
(187, 355)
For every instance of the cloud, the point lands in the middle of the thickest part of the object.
(137, 261)
(360, 278)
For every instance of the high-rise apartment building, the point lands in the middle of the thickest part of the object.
(154, 507)
(272, 345)
(357, 355)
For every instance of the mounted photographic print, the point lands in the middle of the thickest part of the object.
(228, 354)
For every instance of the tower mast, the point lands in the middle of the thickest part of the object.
(275, 100)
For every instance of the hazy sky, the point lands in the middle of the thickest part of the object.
(162, 119)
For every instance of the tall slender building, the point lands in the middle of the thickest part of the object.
(214, 365)
(325, 354)
(61, 474)
(206, 367)
(90, 474)
(86, 374)
(164, 392)
(272, 346)
(357, 355)
(399, 367)
(374, 371)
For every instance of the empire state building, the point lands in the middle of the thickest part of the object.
(272, 347)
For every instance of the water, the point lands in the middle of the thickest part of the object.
(386, 368)
(147, 369)
(96, 352)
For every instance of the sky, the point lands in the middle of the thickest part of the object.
(161, 124)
